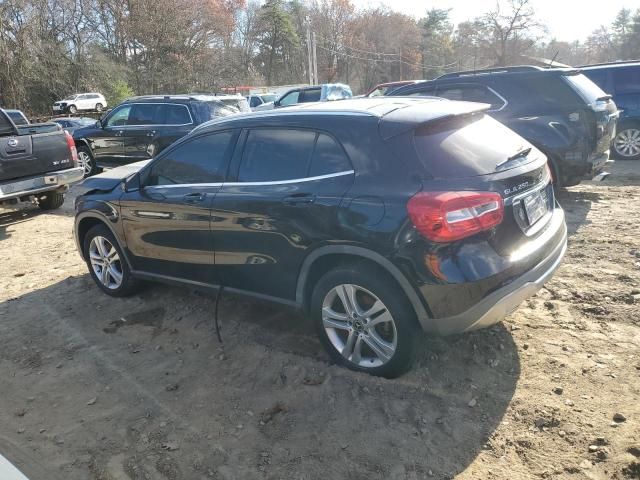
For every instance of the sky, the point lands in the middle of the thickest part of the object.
(565, 19)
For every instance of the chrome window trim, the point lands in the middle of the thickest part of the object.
(254, 184)
(121, 127)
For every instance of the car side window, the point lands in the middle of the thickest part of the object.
(201, 160)
(276, 154)
(425, 92)
(328, 157)
(290, 99)
(255, 101)
(471, 93)
(145, 114)
(311, 95)
(175, 114)
(119, 117)
(627, 80)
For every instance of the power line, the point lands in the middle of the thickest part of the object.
(382, 60)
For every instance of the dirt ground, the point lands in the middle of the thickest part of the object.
(140, 388)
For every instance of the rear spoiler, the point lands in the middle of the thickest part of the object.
(409, 117)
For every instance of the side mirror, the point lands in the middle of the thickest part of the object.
(276, 103)
(132, 184)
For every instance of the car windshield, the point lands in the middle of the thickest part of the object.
(70, 97)
(268, 98)
(83, 121)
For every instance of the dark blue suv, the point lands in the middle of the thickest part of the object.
(622, 81)
(560, 111)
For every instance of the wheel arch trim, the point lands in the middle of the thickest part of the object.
(417, 305)
(96, 215)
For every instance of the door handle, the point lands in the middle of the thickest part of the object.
(195, 197)
(152, 133)
(299, 199)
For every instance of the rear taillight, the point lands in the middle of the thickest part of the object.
(72, 147)
(450, 216)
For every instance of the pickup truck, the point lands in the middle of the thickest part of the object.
(38, 162)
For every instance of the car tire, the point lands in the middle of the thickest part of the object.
(99, 107)
(87, 162)
(72, 109)
(51, 200)
(626, 143)
(107, 264)
(382, 343)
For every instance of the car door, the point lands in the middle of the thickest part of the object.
(166, 221)
(282, 199)
(155, 126)
(107, 142)
(83, 102)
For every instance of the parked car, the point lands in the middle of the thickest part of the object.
(376, 217)
(560, 111)
(317, 93)
(141, 127)
(622, 81)
(385, 88)
(235, 101)
(71, 124)
(38, 162)
(17, 116)
(81, 102)
(258, 99)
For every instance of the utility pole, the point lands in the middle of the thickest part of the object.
(400, 55)
(309, 48)
(315, 59)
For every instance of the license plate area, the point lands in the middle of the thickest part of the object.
(535, 206)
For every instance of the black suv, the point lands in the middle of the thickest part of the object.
(560, 111)
(377, 217)
(141, 127)
(622, 81)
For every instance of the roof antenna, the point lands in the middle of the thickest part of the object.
(554, 58)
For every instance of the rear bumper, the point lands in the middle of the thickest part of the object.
(41, 183)
(500, 303)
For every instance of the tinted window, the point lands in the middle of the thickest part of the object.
(425, 92)
(468, 147)
(119, 117)
(276, 154)
(255, 101)
(201, 160)
(18, 118)
(471, 93)
(311, 95)
(176, 114)
(146, 114)
(5, 125)
(548, 91)
(328, 157)
(290, 99)
(627, 80)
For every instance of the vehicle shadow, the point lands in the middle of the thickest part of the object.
(577, 205)
(26, 212)
(118, 384)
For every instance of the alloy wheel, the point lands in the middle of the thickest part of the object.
(105, 262)
(627, 142)
(359, 326)
(85, 161)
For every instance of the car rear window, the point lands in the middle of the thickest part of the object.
(586, 88)
(468, 146)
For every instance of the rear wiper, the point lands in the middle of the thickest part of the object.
(520, 154)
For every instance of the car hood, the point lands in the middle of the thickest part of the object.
(110, 179)
(83, 132)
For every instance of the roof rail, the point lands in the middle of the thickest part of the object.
(604, 64)
(484, 71)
